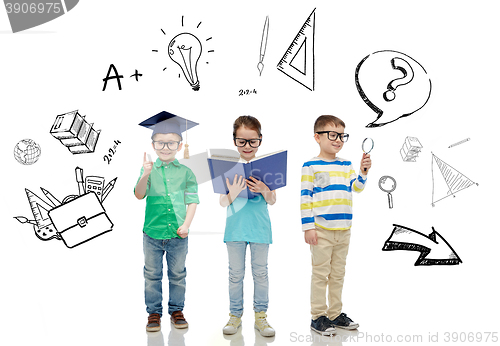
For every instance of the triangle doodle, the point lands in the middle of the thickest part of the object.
(454, 180)
(298, 60)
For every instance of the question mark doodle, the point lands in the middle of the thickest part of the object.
(403, 66)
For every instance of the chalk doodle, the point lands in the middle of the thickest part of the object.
(74, 132)
(75, 219)
(453, 181)
(27, 152)
(298, 60)
(410, 149)
(433, 248)
(392, 84)
(185, 49)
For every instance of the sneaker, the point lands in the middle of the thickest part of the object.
(178, 320)
(153, 323)
(262, 325)
(344, 322)
(323, 326)
(232, 325)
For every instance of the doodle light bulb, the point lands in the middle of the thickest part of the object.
(185, 49)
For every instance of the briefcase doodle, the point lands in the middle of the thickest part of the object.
(77, 218)
(80, 220)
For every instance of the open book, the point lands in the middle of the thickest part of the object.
(270, 169)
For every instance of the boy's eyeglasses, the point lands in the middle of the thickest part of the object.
(173, 145)
(241, 142)
(332, 135)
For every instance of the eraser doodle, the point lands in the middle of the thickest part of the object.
(28, 14)
(392, 84)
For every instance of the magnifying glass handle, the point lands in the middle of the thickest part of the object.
(389, 196)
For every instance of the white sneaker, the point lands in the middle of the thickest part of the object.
(262, 325)
(232, 325)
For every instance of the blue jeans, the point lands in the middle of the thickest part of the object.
(176, 250)
(236, 251)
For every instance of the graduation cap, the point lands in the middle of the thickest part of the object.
(165, 122)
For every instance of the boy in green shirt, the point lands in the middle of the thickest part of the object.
(169, 187)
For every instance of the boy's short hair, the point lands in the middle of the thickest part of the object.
(153, 138)
(248, 121)
(324, 120)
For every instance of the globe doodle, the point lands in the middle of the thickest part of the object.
(27, 152)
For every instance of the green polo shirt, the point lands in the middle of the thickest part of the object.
(170, 188)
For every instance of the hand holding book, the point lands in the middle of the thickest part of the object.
(257, 186)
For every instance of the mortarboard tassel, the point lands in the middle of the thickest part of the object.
(186, 146)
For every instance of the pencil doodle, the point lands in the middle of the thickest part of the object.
(75, 219)
(27, 151)
(433, 248)
(185, 49)
(453, 180)
(28, 14)
(413, 87)
(74, 132)
(263, 46)
(458, 143)
(298, 60)
(387, 184)
(410, 149)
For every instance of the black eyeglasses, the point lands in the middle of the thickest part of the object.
(241, 142)
(172, 145)
(332, 135)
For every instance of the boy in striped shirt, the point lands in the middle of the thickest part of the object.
(326, 211)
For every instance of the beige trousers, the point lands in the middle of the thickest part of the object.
(328, 270)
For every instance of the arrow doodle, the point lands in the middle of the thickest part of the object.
(434, 249)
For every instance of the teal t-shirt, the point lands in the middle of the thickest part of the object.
(248, 220)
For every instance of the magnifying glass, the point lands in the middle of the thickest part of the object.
(367, 146)
(387, 184)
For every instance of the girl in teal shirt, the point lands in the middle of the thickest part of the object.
(247, 223)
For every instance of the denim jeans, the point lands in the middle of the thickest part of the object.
(236, 251)
(176, 250)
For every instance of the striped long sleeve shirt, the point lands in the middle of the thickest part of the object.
(326, 193)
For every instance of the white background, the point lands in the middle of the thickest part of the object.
(93, 294)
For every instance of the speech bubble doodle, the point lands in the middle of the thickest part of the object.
(28, 14)
(392, 84)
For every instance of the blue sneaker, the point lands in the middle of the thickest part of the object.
(323, 326)
(344, 322)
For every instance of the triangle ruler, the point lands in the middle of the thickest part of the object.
(298, 60)
(453, 181)
(44, 229)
